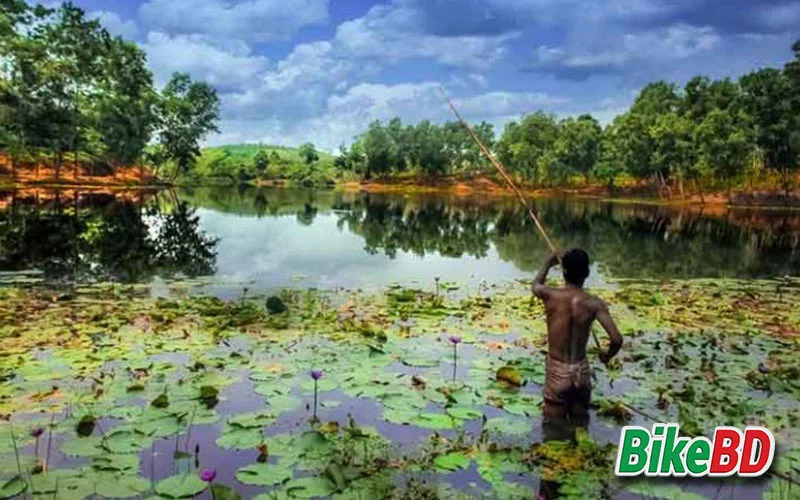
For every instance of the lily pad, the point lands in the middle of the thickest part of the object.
(434, 421)
(180, 486)
(309, 487)
(13, 487)
(263, 474)
(121, 486)
(452, 462)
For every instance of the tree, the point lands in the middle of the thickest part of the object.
(308, 153)
(792, 72)
(522, 144)
(766, 99)
(188, 111)
(577, 147)
(673, 155)
(261, 162)
(379, 149)
(723, 145)
(428, 153)
(702, 95)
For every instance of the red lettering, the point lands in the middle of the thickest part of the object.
(725, 455)
(753, 465)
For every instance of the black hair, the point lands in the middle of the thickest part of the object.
(575, 264)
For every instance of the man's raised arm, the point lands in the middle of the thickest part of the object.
(610, 327)
(539, 289)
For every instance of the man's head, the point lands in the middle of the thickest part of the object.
(575, 264)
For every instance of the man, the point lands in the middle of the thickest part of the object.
(570, 314)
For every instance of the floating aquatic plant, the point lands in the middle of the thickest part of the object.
(455, 340)
(208, 476)
(315, 375)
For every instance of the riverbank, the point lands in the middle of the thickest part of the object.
(637, 193)
(140, 178)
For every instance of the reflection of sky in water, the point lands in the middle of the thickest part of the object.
(278, 251)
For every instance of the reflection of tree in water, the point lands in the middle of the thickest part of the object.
(105, 239)
(626, 240)
(420, 228)
(654, 242)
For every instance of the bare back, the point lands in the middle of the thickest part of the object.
(570, 314)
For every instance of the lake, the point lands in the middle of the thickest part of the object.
(268, 238)
(156, 334)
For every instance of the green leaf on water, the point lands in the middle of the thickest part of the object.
(263, 474)
(253, 420)
(125, 441)
(222, 492)
(420, 362)
(282, 403)
(121, 486)
(83, 447)
(451, 462)
(649, 489)
(13, 487)
(434, 421)
(509, 426)
(161, 401)
(309, 487)
(116, 463)
(464, 413)
(180, 486)
(240, 438)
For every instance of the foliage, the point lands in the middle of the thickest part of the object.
(256, 163)
(68, 86)
(688, 359)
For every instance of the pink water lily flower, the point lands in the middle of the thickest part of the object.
(208, 475)
(316, 374)
(455, 339)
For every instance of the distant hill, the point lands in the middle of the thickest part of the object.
(247, 152)
(238, 162)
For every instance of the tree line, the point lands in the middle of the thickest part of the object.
(710, 132)
(68, 89)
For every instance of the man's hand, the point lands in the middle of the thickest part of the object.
(604, 358)
(538, 288)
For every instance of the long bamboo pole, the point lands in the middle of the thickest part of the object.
(502, 170)
(499, 167)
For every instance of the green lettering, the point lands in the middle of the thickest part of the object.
(673, 447)
(632, 457)
(697, 456)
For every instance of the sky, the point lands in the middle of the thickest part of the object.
(292, 71)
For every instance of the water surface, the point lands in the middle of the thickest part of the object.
(267, 238)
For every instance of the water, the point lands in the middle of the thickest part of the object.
(228, 239)
(268, 238)
(271, 238)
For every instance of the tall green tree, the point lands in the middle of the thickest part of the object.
(577, 147)
(188, 112)
(523, 144)
(308, 153)
(723, 145)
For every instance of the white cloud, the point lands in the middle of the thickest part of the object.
(347, 114)
(390, 33)
(586, 56)
(115, 24)
(227, 67)
(251, 20)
